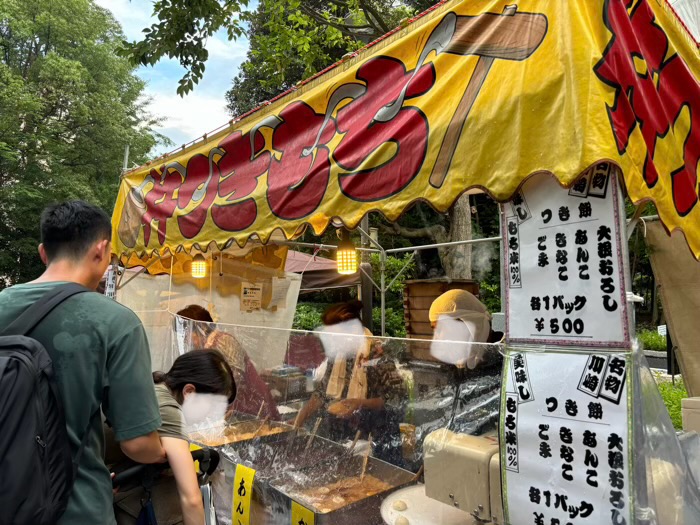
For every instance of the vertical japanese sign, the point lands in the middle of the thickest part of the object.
(242, 495)
(111, 282)
(565, 284)
(301, 515)
(571, 441)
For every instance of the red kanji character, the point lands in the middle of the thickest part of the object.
(400, 143)
(240, 167)
(160, 202)
(638, 100)
(297, 182)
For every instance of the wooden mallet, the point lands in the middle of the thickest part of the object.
(490, 36)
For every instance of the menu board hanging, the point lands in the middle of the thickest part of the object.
(251, 297)
(566, 440)
(563, 256)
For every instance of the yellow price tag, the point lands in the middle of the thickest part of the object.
(242, 495)
(194, 447)
(301, 515)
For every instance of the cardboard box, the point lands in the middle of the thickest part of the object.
(690, 411)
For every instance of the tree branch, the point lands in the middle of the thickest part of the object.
(437, 232)
(343, 28)
(377, 17)
(340, 3)
(370, 19)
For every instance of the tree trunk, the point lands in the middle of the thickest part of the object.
(457, 260)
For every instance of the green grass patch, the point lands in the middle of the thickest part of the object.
(651, 340)
(672, 395)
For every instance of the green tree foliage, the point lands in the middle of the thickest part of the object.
(68, 107)
(397, 269)
(293, 39)
(673, 392)
(307, 316)
(395, 322)
(280, 55)
(181, 33)
(651, 340)
(296, 37)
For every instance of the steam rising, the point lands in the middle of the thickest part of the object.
(483, 255)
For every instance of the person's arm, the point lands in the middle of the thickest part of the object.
(144, 449)
(308, 410)
(180, 460)
(347, 407)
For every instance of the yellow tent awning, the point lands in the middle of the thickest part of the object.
(473, 94)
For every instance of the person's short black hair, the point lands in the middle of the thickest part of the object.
(341, 312)
(196, 313)
(69, 229)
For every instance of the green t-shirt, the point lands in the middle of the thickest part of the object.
(173, 421)
(101, 358)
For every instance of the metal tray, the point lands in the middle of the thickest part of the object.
(223, 436)
(276, 454)
(279, 462)
(366, 509)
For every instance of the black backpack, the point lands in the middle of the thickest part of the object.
(36, 465)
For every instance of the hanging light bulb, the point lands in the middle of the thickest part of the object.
(347, 254)
(199, 266)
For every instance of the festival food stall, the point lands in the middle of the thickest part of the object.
(557, 110)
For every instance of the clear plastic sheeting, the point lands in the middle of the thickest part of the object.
(345, 426)
(666, 489)
(156, 298)
(340, 435)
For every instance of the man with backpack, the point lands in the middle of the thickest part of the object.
(66, 355)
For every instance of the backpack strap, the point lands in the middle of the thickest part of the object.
(28, 321)
(33, 315)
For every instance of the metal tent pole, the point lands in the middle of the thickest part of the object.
(382, 276)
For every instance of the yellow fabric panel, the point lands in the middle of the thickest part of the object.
(271, 256)
(473, 94)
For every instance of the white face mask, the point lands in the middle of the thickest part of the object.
(456, 340)
(343, 340)
(198, 408)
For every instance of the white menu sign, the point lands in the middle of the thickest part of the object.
(565, 454)
(251, 297)
(564, 283)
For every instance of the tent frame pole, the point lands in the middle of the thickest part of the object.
(382, 287)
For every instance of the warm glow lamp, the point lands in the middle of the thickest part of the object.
(199, 266)
(347, 255)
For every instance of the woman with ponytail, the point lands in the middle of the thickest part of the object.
(199, 385)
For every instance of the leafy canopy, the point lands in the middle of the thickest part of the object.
(68, 107)
(299, 30)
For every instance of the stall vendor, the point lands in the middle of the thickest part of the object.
(462, 333)
(360, 389)
(253, 393)
(458, 315)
